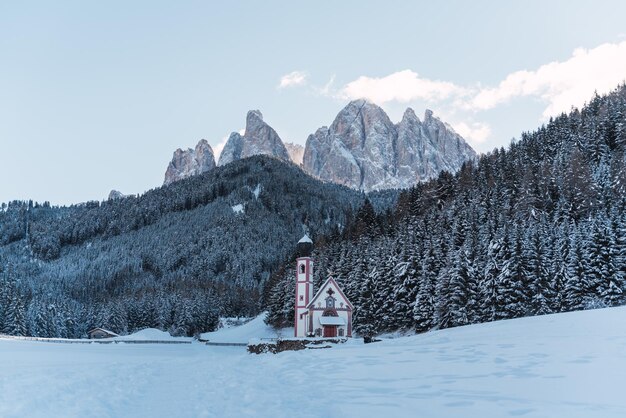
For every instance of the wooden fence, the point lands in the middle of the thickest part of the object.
(95, 341)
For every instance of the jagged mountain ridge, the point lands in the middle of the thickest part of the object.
(258, 139)
(361, 149)
(364, 150)
(190, 162)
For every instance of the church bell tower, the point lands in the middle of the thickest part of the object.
(304, 286)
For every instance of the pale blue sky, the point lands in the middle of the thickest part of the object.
(96, 96)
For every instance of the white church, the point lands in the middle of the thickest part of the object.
(327, 313)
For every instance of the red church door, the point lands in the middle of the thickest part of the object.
(330, 331)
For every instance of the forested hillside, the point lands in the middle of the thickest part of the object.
(173, 258)
(537, 228)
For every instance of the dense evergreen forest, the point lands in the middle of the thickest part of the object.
(537, 228)
(173, 258)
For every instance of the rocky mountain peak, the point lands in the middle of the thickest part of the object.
(259, 138)
(254, 118)
(361, 113)
(409, 116)
(363, 149)
(190, 162)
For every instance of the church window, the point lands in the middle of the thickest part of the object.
(301, 297)
(302, 267)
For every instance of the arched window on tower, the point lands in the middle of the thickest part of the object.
(302, 267)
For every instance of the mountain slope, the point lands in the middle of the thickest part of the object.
(180, 243)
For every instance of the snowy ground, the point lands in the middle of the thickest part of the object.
(567, 365)
(256, 328)
(151, 334)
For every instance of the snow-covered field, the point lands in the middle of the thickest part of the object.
(151, 334)
(566, 365)
(256, 328)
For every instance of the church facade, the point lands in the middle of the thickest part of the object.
(327, 313)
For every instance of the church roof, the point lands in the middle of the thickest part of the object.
(305, 239)
(328, 281)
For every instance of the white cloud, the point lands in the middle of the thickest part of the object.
(217, 149)
(557, 85)
(476, 132)
(561, 84)
(402, 86)
(294, 78)
(327, 89)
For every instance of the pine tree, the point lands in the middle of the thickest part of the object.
(489, 284)
(575, 288)
(536, 268)
(365, 320)
(459, 293)
(509, 287)
(407, 273)
(15, 311)
(605, 280)
(424, 308)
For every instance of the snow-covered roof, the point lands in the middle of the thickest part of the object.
(305, 239)
(332, 320)
(328, 282)
(103, 330)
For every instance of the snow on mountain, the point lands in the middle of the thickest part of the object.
(564, 365)
(258, 138)
(190, 162)
(363, 149)
(238, 208)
